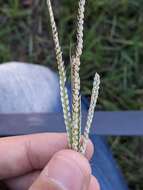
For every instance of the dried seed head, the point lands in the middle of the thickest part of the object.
(62, 74)
(80, 27)
(94, 97)
(73, 124)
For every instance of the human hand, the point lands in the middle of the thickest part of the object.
(42, 162)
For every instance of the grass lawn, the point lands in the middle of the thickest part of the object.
(113, 47)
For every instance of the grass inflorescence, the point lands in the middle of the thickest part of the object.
(113, 46)
(73, 120)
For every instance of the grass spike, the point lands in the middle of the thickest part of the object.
(94, 97)
(75, 103)
(75, 68)
(62, 75)
(80, 28)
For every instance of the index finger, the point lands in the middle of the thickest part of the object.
(21, 155)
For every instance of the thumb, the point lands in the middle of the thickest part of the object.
(65, 171)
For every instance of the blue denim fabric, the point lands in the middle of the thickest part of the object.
(26, 88)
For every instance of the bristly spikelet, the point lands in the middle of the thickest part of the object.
(94, 97)
(62, 75)
(75, 67)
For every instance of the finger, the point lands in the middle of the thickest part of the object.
(66, 170)
(89, 150)
(21, 155)
(94, 185)
(22, 182)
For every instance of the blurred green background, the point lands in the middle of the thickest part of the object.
(113, 47)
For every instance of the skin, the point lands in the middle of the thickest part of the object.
(43, 162)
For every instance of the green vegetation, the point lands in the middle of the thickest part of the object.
(113, 48)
